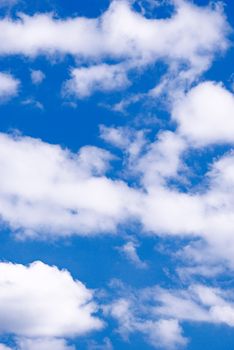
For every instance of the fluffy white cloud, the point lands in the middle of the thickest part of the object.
(166, 334)
(43, 344)
(87, 80)
(128, 140)
(121, 32)
(4, 347)
(106, 345)
(206, 115)
(162, 159)
(37, 76)
(33, 298)
(127, 38)
(199, 303)
(160, 333)
(38, 178)
(8, 86)
(70, 187)
(158, 313)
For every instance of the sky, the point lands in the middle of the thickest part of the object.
(116, 175)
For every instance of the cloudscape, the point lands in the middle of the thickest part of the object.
(116, 175)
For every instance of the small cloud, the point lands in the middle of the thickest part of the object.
(33, 103)
(9, 86)
(129, 250)
(70, 104)
(106, 345)
(37, 77)
(85, 81)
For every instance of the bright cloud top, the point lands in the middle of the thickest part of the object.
(123, 34)
(9, 86)
(148, 185)
(104, 77)
(157, 313)
(71, 187)
(43, 344)
(82, 199)
(206, 115)
(39, 294)
(126, 37)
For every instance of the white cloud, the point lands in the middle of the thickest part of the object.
(129, 249)
(199, 304)
(43, 344)
(122, 33)
(33, 103)
(9, 86)
(160, 333)
(37, 178)
(33, 298)
(126, 38)
(166, 334)
(4, 347)
(37, 76)
(206, 115)
(87, 80)
(162, 159)
(158, 313)
(106, 345)
(130, 141)
(71, 187)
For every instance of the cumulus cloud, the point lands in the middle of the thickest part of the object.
(38, 178)
(130, 141)
(87, 80)
(199, 303)
(160, 333)
(123, 35)
(9, 86)
(162, 159)
(206, 213)
(206, 115)
(33, 103)
(43, 344)
(158, 313)
(4, 347)
(37, 76)
(39, 294)
(106, 345)
(71, 187)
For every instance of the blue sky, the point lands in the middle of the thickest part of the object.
(117, 175)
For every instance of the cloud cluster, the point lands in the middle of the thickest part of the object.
(72, 188)
(158, 313)
(37, 76)
(123, 35)
(9, 86)
(86, 80)
(43, 344)
(206, 115)
(82, 199)
(129, 250)
(119, 32)
(41, 305)
(48, 191)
